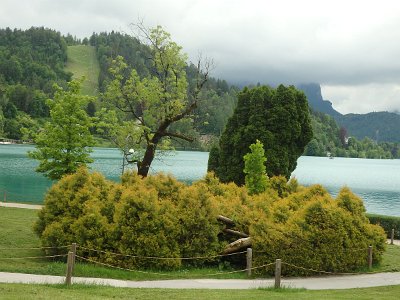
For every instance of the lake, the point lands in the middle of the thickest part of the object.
(377, 182)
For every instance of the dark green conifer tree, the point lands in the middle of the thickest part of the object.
(279, 118)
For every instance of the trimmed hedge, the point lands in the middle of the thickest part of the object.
(158, 216)
(387, 223)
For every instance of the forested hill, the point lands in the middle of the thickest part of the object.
(335, 140)
(31, 61)
(379, 126)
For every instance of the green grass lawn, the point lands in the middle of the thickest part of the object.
(82, 61)
(25, 291)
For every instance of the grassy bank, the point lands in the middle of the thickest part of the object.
(24, 291)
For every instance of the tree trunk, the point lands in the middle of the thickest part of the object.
(235, 232)
(226, 220)
(144, 165)
(237, 245)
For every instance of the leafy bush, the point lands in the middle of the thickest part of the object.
(158, 216)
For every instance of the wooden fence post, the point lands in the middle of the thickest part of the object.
(369, 257)
(70, 266)
(392, 237)
(278, 269)
(249, 259)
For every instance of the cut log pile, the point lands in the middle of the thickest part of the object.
(243, 242)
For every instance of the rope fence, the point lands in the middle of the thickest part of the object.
(249, 268)
(346, 250)
(161, 258)
(319, 271)
(74, 248)
(24, 249)
(165, 274)
(33, 257)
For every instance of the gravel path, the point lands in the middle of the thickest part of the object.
(20, 205)
(311, 283)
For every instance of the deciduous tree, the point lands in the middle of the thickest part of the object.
(65, 142)
(151, 104)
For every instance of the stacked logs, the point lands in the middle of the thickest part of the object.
(244, 240)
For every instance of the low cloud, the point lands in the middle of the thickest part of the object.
(363, 98)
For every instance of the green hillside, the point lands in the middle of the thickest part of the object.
(378, 126)
(82, 61)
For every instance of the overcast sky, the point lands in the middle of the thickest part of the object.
(350, 47)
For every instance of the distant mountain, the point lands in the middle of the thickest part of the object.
(379, 126)
(315, 100)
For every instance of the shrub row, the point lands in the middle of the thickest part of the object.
(387, 223)
(159, 216)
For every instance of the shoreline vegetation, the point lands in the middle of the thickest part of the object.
(101, 143)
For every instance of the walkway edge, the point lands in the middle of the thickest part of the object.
(311, 283)
(20, 205)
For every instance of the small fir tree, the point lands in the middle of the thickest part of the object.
(256, 179)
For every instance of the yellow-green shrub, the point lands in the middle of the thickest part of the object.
(197, 225)
(145, 226)
(158, 216)
(66, 203)
(312, 230)
(155, 216)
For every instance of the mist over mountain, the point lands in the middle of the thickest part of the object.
(378, 126)
(316, 101)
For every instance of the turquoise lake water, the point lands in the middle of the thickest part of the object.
(377, 182)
